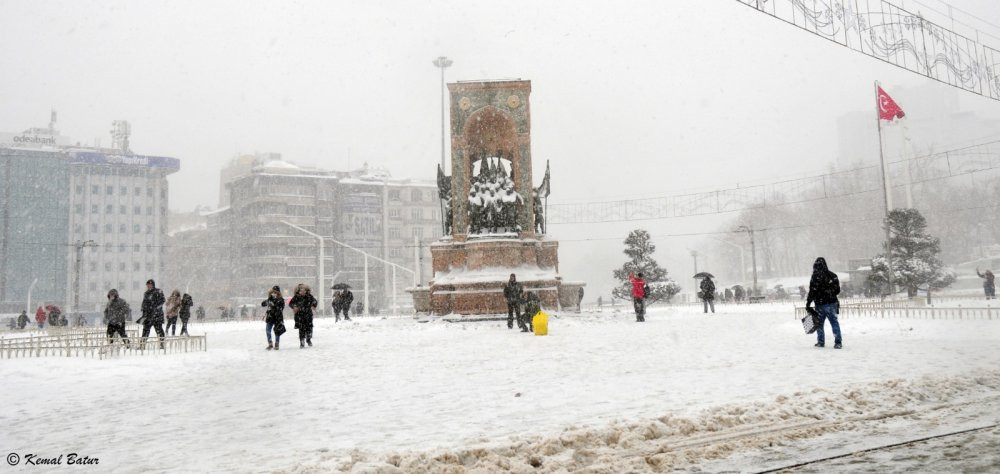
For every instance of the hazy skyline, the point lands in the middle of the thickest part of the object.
(635, 99)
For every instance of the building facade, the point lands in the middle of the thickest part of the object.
(279, 211)
(103, 208)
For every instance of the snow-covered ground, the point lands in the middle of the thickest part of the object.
(742, 389)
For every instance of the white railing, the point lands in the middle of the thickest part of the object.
(901, 309)
(90, 343)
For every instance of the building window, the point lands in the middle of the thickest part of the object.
(121, 267)
(122, 228)
(124, 190)
(163, 194)
(95, 189)
(149, 210)
(394, 252)
(109, 209)
(107, 266)
(94, 228)
(137, 210)
(394, 232)
(163, 211)
(135, 266)
(394, 213)
(78, 228)
(138, 191)
(93, 209)
(79, 189)
(122, 247)
(107, 228)
(418, 232)
(149, 192)
(135, 248)
(93, 267)
(394, 195)
(110, 191)
(149, 247)
(417, 195)
(417, 214)
(136, 228)
(123, 210)
(78, 208)
(92, 285)
(149, 229)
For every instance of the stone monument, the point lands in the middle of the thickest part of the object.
(494, 217)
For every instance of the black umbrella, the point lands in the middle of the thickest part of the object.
(340, 286)
(703, 275)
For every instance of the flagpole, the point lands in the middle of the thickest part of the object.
(885, 190)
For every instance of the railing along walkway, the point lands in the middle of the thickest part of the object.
(91, 343)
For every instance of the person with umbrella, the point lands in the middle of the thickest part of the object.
(342, 300)
(707, 292)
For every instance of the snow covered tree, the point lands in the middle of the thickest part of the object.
(916, 259)
(639, 248)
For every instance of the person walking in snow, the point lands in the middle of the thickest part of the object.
(708, 293)
(303, 304)
(989, 286)
(116, 313)
(532, 305)
(513, 293)
(824, 286)
(200, 313)
(173, 307)
(342, 301)
(275, 317)
(40, 317)
(185, 313)
(638, 296)
(22, 319)
(152, 312)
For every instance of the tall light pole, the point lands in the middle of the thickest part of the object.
(743, 262)
(753, 253)
(319, 263)
(76, 284)
(442, 62)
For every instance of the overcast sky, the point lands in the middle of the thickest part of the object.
(628, 98)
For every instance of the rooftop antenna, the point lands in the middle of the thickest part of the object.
(52, 121)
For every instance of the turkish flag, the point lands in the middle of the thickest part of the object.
(887, 108)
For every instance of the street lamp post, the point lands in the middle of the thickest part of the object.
(76, 284)
(753, 253)
(743, 262)
(319, 263)
(442, 62)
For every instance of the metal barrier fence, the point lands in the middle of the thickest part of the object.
(90, 343)
(899, 309)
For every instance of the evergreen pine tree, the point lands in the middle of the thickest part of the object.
(639, 248)
(916, 256)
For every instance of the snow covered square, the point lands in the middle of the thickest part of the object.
(740, 390)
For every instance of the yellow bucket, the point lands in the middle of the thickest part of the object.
(540, 321)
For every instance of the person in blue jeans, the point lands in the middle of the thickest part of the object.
(824, 286)
(275, 319)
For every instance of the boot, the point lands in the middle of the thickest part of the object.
(310, 342)
(270, 346)
(275, 346)
(302, 343)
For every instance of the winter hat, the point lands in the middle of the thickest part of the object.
(113, 293)
(275, 288)
(150, 282)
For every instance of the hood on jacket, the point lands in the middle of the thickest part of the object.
(820, 265)
(112, 294)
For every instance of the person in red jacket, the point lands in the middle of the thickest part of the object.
(40, 317)
(638, 296)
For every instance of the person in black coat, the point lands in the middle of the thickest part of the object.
(513, 293)
(342, 301)
(152, 312)
(824, 286)
(708, 294)
(303, 304)
(275, 317)
(116, 314)
(22, 320)
(186, 303)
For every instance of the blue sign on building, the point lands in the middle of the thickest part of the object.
(97, 158)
